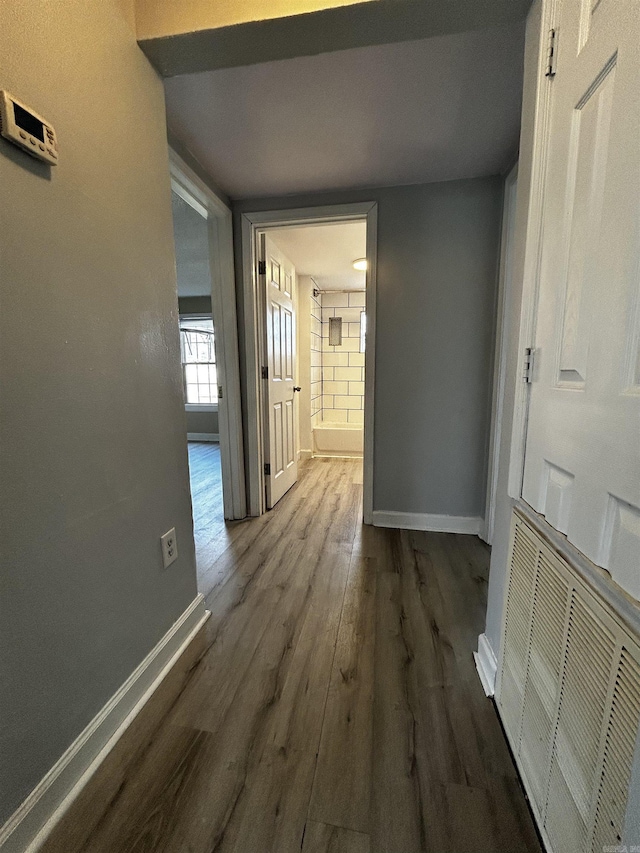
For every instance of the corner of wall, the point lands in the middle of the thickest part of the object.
(526, 169)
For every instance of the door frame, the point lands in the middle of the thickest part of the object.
(503, 304)
(186, 184)
(251, 225)
(528, 237)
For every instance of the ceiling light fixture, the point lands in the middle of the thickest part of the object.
(360, 264)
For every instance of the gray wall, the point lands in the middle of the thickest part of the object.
(94, 461)
(194, 304)
(437, 274)
(191, 235)
(182, 151)
(206, 422)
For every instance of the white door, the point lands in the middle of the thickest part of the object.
(281, 468)
(582, 457)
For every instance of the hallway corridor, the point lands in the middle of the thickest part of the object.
(334, 706)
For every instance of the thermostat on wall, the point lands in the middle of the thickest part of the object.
(20, 125)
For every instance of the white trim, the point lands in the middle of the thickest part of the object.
(530, 218)
(30, 824)
(427, 521)
(337, 454)
(305, 454)
(185, 195)
(255, 460)
(192, 189)
(501, 348)
(486, 664)
(370, 363)
(201, 407)
(529, 226)
(203, 436)
(251, 223)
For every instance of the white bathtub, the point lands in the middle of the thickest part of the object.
(330, 439)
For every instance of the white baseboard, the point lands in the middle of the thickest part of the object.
(203, 436)
(486, 664)
(305, 454)
(337, 454)
(427, 521)
(32, 821)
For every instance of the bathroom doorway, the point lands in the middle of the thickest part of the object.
(330, 302)
(319, 267)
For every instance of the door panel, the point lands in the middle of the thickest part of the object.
(582, 458)
(279, 451)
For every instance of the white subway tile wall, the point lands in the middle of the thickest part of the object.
(316, 360)
(342, 366)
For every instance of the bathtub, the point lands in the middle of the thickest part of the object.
(336, 439)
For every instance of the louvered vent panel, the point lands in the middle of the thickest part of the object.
(569, 697)
(537, 731)
(518, 619)
(543, 676)
(622, 728)
(566, 827)
(583, 697)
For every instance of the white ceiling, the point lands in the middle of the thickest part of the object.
(192, 249)
(325, 252)
(419, 111)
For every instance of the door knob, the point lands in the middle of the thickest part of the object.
(297, 388)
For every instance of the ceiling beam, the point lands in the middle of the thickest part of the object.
(206, 36)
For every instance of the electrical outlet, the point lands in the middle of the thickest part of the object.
(169, 547)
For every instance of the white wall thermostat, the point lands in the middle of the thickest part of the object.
(20, 125)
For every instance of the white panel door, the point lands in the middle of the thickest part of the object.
(582, 458)
(280, 441)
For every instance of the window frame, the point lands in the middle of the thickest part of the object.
(194, 407)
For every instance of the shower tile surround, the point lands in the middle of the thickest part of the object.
(316, 360)
(342, 367)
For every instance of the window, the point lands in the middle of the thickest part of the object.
(363, 330)
(199, 372)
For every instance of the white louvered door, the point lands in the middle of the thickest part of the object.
(617, 755)
(548, 629)
(569, 696)
(582, 458)
(280, 442)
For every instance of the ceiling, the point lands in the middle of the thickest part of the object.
(412, 112)
(325, 252)
(192, 249)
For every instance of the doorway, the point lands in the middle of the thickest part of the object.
(332, 416)
(327, 263)
(199, 373)
(209, 358)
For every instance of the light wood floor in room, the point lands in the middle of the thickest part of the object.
(209, 530)
(336, 706)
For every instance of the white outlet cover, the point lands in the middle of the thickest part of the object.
(169, 545)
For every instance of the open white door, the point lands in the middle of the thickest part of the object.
(278, 277)
(582, 458)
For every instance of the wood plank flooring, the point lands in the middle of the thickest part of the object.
(209, 529)
(335, 706)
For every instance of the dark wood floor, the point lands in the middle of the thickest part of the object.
(336, 706)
